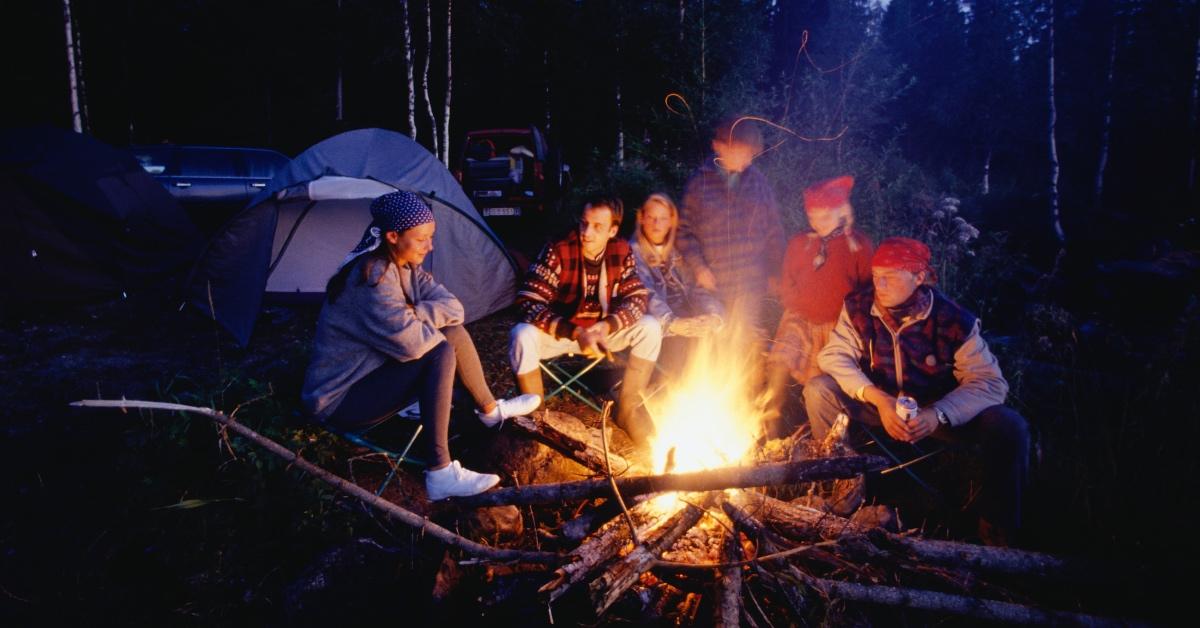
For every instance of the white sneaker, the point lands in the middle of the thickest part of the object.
(454, 481)
(520, 405)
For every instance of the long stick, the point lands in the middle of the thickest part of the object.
(804, 522)
(992, 610)
(608, 472)
(713, 479)
(389, 508)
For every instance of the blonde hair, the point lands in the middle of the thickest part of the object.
(664, 200)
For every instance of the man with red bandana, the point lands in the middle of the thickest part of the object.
(904, 337)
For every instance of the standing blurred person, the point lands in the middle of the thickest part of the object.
(730, 231)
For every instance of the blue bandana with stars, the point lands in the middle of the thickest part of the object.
(394, 211)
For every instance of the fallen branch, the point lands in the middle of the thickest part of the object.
(570, 437)
(713, 479)
(392, 510)
(992, 610)
(803, 522)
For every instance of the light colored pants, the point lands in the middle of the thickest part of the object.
(529, 345)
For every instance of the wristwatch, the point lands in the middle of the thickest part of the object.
(941, 416)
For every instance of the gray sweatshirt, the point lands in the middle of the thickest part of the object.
(372, 322)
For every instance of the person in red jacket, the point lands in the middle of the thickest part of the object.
(822, 265)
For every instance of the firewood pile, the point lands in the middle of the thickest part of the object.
(711, 547)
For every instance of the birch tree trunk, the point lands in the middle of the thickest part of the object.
(620, 129)
(433, 127)
(1105, 130)
(408, 69)
(682, 15)
(338, 114)
(1195, 113)
(987, 172)
(1054, 167)
(72, 71)
(449, 83)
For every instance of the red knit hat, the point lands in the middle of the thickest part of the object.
(829, 194)
(903, 254)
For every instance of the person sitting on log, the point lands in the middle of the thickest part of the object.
(902, 337)
(822, 265)
(388, 331)
(684, 308)
(583, 295)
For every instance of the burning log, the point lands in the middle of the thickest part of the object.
(802, 522)
(624, 573)
(601, 547)
(714, 479)
(729, 584)
(570, 437)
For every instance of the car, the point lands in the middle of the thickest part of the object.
(514, 177)
(211, 182)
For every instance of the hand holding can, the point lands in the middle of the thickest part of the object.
(906, 407)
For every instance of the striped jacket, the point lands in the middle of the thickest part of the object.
(552, 293)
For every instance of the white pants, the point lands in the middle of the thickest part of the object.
(529, 345)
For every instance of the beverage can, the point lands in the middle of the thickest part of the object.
(906, 407)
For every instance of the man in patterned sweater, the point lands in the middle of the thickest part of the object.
(583, 295)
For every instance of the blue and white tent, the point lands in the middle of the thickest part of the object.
(290, 239)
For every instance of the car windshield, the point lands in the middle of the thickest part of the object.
(498, 145)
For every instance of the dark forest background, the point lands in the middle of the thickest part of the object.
(942, 109)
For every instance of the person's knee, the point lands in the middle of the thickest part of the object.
(821, 388)
(442, 356)
(646, 337)
(1007, 431)
(522, 342)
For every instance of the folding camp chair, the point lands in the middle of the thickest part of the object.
(567, 371)
(901, 464)
(369, 438)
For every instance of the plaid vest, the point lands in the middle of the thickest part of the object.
(919, 361)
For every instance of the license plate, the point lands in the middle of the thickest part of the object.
(501, 211)
(488, 194)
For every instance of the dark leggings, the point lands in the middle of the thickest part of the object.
(384, 391)
(470, 370)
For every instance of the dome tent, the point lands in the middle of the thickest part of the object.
(290, 239)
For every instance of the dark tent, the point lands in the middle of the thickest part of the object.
(83, 221)
(291, 238)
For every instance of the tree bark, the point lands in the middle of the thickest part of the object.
(408, 68)
(806, 523)
(617, 579)
(1054, 167)
(449, 84)
(341, 484)
(713, 479)
(604, 545)
(991, 610)
(570, 437)
(729, 584)
(987, 172)
(433, 126)
(72, 70)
